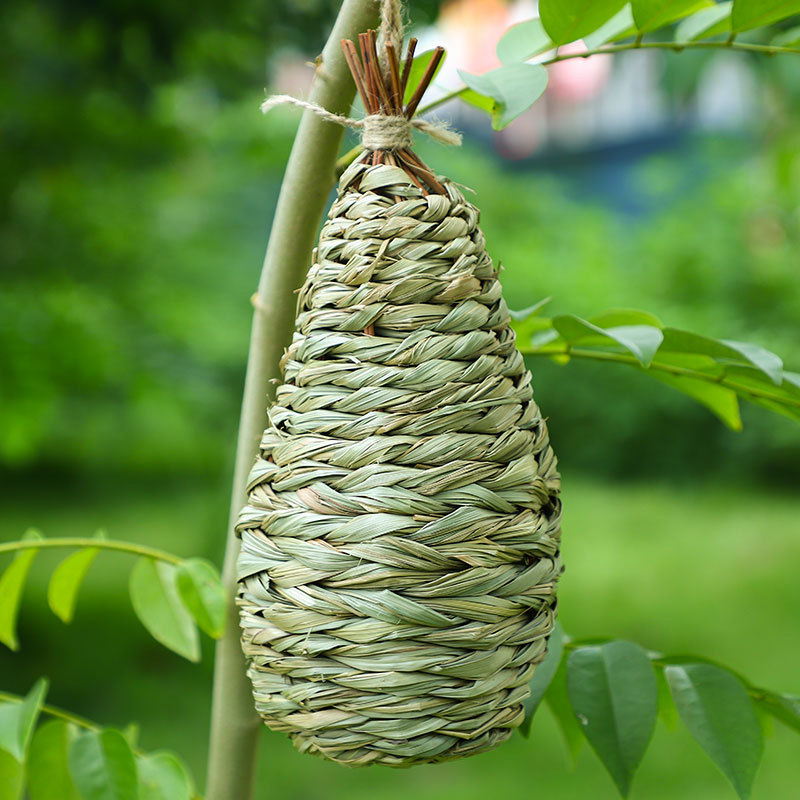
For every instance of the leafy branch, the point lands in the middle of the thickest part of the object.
(714, 372)
(635, 44)
(171, 596)
(53, 711)
(600, 690)
(675, 47)
(610, 693)
(607, 692)
(753, 393)
(69, 757)
(606, 27)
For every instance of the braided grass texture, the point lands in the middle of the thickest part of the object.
(400, 545)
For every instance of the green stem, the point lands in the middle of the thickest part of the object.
(53, 711)
(100, 544)
(621, 358)
(765, 49)
(306, 184)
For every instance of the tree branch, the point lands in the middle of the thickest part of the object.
(53, 711)
(621, 358)
(100, 544)
(676, 47)
(765, 49)
(307, 181)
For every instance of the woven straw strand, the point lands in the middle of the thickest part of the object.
(400, 545)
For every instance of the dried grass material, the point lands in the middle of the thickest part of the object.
(400, 546)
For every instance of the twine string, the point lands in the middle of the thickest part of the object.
(390, 30)
(380, 131)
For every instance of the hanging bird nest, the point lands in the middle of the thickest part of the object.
(400, 545)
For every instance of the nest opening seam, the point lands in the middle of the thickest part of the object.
(400, 544)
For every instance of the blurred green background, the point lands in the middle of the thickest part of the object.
(138, 182)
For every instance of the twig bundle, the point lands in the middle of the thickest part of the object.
(384, 98)
(400, 546)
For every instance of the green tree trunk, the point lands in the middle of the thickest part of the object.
(307, 181)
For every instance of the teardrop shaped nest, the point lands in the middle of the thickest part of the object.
(400, 545)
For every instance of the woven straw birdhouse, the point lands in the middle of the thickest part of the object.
(400, 545)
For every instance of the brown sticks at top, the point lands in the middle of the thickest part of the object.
(383, 91)
(412, 46)
(394, 75)
(351, 57)
(425, 81)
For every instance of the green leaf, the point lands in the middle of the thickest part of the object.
(62, 592)
(163, 777)
(47, 768)
(527, 323)
(557, 701)
(523, 41)
(513, 88)
(769, 363)
(640, 340)
(719, 400)
(479, 101)
(724, 350)
(156, 601)
(613, 692)
(717, 710)
(11, 777)
(201, 590)
(12, 584)
(651, 14)
(543, 676)
(530, 311)
(17, 721)
(791, 380)
(620, 26)
(754, 377)
(784, 707)
(666, 708)
(569, 20)
(102, 766)
(749, 14)
(547, 336)
(131, 733)
(418, 67)
(705, 22)
(783, 399)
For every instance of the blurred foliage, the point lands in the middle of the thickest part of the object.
(135, 189)
(136, 196)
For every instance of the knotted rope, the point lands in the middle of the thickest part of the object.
(380, 131)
